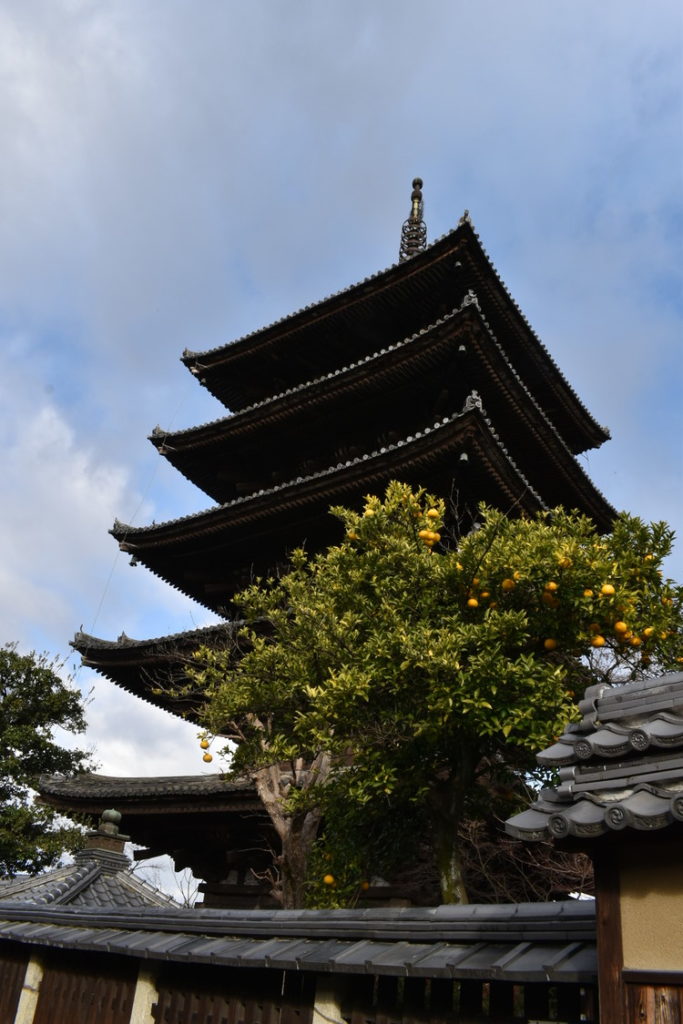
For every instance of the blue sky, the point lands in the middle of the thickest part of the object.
(177, 173)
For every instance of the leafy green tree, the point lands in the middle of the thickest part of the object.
(33, 700)
(405, 673)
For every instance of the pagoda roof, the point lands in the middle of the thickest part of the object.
(214, 824)
(154, 669)
(403, 383)
(209, 555)
(92, 793)
(376, 313)
(620, 768)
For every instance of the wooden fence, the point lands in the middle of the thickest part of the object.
(99, 988)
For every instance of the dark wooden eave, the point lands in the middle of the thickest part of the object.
(379, 312)
(154, 669)
(409, 384)
(207, 822)
(210, 555)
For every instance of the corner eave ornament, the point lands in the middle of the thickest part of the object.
(414, 230)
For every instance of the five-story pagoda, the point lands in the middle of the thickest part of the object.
(426, 372)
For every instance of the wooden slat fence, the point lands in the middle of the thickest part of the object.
(13, 962)
(388, 1000)
(204, 995)
(83, 989)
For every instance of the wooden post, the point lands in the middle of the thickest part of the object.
(144, 999)
(611, 993)
(328, 1000)
(28, 1000)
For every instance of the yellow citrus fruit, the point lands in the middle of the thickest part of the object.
(588, 593)
(424, 534)
(369, 512)
(517, 575)
(550, 643)
(208, 758)
(508, 584)
(620, 627)
(204, 744)
(436, 537)
(475, 581)
(472, 603)
(352, 535)
(607, 590)
(458, 566)
(648, 558)
(648, 631)
(485, 593)
(635, 641)
(328, 879)
(598, 641)
(432, 513)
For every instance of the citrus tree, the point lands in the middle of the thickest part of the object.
(402, 669)
(33, 700)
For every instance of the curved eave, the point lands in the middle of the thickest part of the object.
(151, 669)
(462, 454)
(461, 346)
(376, 312)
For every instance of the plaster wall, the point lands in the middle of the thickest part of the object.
(651, 912)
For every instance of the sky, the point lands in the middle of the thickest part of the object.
(177, 173)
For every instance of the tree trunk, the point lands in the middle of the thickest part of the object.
(297, 830)
(447, 810)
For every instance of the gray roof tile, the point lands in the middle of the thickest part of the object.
(620, 767)
(513, 942)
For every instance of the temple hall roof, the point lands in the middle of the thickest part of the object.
(620, 767)
(99, 878)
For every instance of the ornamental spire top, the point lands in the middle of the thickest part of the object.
(414, 231)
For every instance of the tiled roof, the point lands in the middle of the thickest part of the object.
(96, 879)
(203, 554)
(620, 767)
(91, 786)
(154, 669)
(513, 942)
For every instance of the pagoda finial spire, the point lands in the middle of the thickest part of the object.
(414, 231)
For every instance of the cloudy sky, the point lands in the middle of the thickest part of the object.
(175, 173)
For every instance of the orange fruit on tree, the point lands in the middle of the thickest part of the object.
(204, 744)
(472, 602)
(328, 879)
(207, 757)
(620, 627)
(550, 643)
(607, 590)
(508, 584)
(588, 592)
(551, 585)
(432, 513)
(598, 641)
